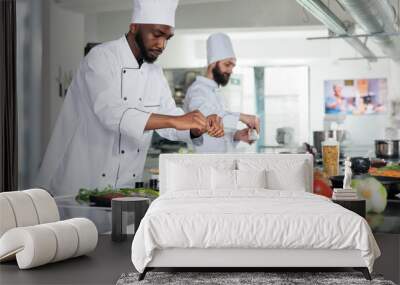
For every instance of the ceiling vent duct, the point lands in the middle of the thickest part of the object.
(376, 17)
(320, 11)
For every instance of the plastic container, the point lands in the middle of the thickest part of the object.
(69, 208)
(330, 157)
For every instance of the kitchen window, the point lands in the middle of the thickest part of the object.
(285, 106)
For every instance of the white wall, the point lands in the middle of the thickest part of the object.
(90, 28)
(66, 47)
(29, 91)
(243, 13)
(48, 37)
(395, 72)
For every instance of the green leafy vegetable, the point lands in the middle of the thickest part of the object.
(84, 194)
(391, 167)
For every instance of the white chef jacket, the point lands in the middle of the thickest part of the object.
(99, 138)
(202, 96)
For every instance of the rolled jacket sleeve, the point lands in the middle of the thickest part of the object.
(230, 119)
(102, 80)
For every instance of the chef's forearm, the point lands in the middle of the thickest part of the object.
(242, 118)
(158, 121)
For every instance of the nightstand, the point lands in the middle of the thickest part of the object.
(357, 206)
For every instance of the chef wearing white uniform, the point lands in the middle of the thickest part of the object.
(116, 100)
(202, 95)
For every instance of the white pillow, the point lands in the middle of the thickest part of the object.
(183, 177)
(251, 178)
(282, 174)
(223, 179)
(293, 180)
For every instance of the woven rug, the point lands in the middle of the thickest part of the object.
(243, 278)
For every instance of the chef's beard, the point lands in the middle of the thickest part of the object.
(143, 51)
(222, 79)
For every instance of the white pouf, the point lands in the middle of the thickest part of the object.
(23, 208)
(31, 233)
(46, 207)
(32, 246)
(37, 245)
(7, 220)
(87, 234)
(67, 239)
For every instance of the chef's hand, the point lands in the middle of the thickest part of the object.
(251, 121)
(191, 121)
(243, 135)
(195, 133)
(215, 127)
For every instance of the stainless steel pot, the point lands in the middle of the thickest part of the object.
(387, 148)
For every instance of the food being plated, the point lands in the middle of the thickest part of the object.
(387, 171)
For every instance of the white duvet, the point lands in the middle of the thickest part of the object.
(253, 218)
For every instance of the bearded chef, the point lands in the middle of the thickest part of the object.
(203, 95)
(115, 102)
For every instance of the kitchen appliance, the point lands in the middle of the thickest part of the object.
(387, 148)
(320, 136)
(360, 165)
(139, 184)
(153, 184)
(179, 96)
(284, 136)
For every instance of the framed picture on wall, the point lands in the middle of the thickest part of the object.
(355, 96)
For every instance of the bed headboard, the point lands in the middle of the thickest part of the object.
(284, 160)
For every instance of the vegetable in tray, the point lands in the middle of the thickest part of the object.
(387, 171)
(104, 196)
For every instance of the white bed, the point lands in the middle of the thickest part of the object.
(203, 220)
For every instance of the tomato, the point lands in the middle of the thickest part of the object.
(322, 188)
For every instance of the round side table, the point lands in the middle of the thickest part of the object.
(127, 212)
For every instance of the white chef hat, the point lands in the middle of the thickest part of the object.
(160, 12)
(219, 47)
